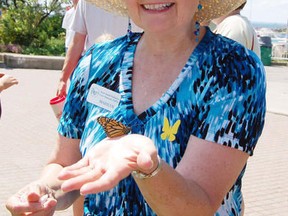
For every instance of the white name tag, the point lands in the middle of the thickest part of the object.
(103, 97)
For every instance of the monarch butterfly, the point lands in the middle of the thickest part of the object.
(112, 127)
(169, 132)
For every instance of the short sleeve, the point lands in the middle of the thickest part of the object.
(79, 23)
(233, 110)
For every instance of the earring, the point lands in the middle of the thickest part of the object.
(197, 25)
(129, 29)
(197, 30)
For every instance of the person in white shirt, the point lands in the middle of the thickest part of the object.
(239, 28)
(89, 23)
(66, 24)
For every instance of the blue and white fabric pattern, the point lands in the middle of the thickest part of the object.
(218, 96)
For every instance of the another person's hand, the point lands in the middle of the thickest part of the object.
(7, 81)
(61, 91)
(34, 199)
(110, 161)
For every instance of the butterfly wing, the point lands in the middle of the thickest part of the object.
(174, 130)
(102, 120)
(165, 129)
(112, 127)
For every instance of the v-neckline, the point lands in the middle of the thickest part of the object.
(125, 85)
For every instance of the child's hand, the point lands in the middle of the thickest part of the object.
(7, 81)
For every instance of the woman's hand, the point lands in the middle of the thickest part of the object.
(108, 162)
(34, 199)
(61, 90)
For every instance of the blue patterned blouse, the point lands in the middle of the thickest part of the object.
(218, 96)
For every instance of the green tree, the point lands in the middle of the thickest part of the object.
(33, 26)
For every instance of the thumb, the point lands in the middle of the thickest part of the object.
(33, 197)
(35, 193)
(144, 161)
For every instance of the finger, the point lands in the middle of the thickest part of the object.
(50, 203)
(36, 191)
(60, 93)
(76, 182)
(33, 197)
(48, 208)
(144, 161)
(81, 163)
(31, 193)
(18, 206)
(68, 174)
(25, 200)
(46, 213)
(107, 181)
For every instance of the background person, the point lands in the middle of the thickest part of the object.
(193, 101)
(238, 28)
(66, 24)
(6, 81)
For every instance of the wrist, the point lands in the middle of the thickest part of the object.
(1, 87)
(141, 175)
(64, 76)
(63, 80)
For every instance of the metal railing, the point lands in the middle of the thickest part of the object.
(280, 51)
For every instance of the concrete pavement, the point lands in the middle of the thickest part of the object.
(27, 129)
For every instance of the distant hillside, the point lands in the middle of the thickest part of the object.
(274, 26)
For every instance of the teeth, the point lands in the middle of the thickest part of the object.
(157, 6)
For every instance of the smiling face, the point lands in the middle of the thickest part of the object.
(162, 15)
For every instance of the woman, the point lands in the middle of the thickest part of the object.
(191, 102)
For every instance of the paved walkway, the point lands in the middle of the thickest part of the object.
(28, 124)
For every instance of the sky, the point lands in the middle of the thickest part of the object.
(267, 11)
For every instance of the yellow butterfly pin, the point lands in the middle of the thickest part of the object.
(170, 132)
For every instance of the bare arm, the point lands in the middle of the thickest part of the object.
(44, 195)
(73, 55)
(66, 153)
(199, 183)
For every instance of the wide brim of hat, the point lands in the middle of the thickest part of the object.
(211, 9)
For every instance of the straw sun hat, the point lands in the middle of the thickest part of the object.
(210, 8)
